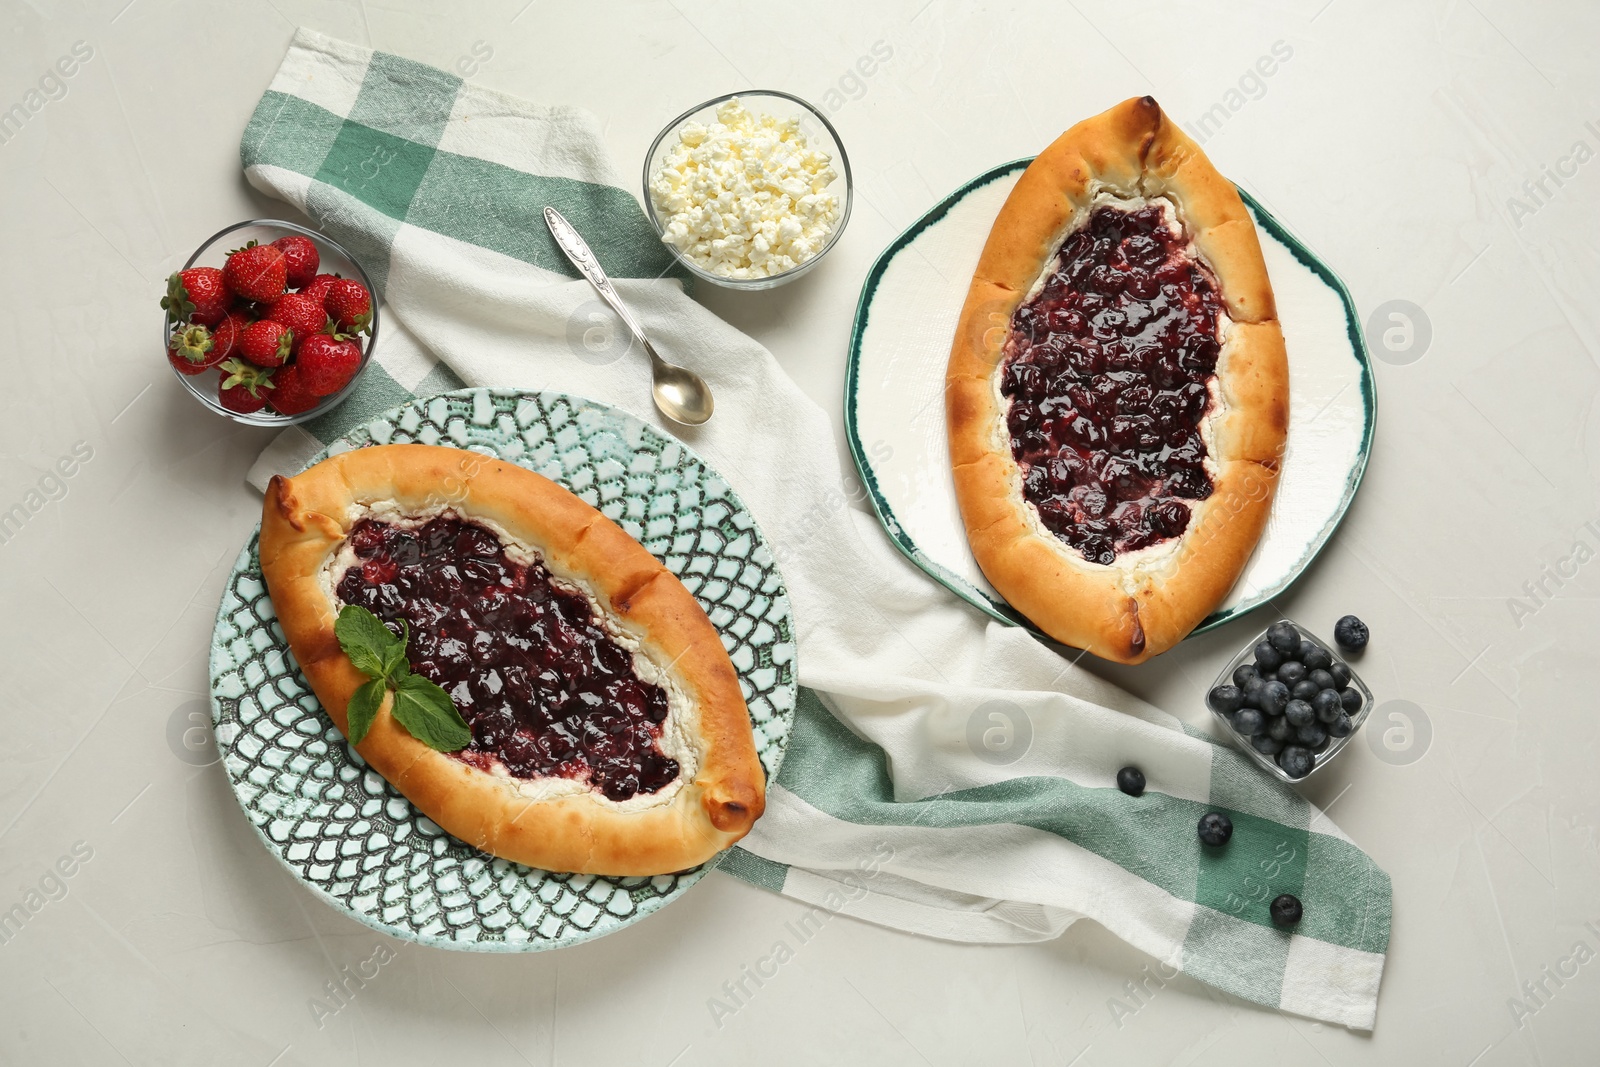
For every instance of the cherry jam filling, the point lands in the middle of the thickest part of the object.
(1107, 371)
(542, 685)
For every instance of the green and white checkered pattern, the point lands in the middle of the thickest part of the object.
(884, 808)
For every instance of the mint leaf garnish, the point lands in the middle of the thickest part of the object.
(428, 712)
(367, 641)
(395, 664)
(425, 710)
(363, 708)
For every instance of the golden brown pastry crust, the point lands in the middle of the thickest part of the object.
(304, 521)
(1145, 602)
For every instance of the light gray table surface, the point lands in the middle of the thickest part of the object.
(1440, 155)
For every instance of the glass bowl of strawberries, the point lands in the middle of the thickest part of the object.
(269, 323)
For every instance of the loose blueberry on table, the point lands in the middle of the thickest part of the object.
(545, 689)
(1131, 781)
(1215, 828)
(1285, 909)
(1108, 371)
(1350, 633)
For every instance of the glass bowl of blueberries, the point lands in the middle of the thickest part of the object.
(1291, 701)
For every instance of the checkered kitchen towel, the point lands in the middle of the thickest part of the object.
(947, 774)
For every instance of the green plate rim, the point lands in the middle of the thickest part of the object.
(958, 585)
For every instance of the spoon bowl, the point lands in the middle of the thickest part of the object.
(681, 394)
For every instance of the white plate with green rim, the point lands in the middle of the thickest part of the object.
(894, 398)
(352, 837)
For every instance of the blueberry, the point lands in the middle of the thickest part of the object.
(1296, 761)
(1326, 705)
(1280, 729)
(1266, 744)
(1315, 656)
(1226, 698)
(1267, 657)
(1131, 781)
(1253, 691)
(1304, 689)
(1244, 674)
(1249, 722)
(1286, 910)
(1351, 633)
(1291, 672)
(1322, 746)
(1274, 698)
(1215, 828)
(1341, 727)
(1351, 699)
(1324, 679)
(1299, 713)
(1284, 637)
(1311, 734)
(1341, 675)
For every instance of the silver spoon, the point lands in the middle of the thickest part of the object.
(682, 395)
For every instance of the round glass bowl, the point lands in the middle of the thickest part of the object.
(213, 252)
(1335, 744)
(819, 134)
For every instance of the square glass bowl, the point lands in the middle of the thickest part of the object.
(1335, 744)
(213, 252)
(819, 134)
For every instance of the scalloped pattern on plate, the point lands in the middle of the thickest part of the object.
(351, 836)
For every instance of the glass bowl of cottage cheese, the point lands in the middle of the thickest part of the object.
(749, 190)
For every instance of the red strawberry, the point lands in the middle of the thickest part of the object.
(197, 295)
(318, 287)
(350, 305)
(301, 313)
(326, 364)
(193, 350)
(290, 395)
(266, 343)
(243, 388)
(225, 338)
(256, 272)
(300, 258)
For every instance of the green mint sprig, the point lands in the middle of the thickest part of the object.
(425, 710)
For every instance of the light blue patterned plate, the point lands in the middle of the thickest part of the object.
(348, 834)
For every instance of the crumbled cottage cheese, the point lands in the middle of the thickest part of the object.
(744, 197)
